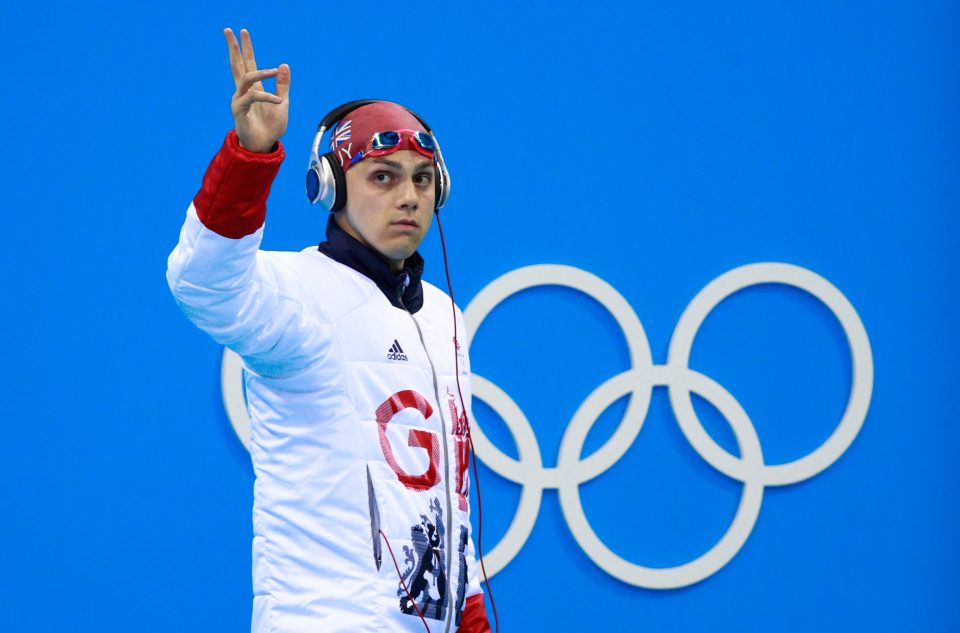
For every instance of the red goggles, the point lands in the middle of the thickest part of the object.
(390, 141)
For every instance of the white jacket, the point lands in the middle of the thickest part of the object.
(357, 433)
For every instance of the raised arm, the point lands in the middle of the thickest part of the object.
(244, 298)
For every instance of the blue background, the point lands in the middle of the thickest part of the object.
(655, 146)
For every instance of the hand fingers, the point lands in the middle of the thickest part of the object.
(236, 61)
(257, 96)
(252, 80)
(249, 63)
(283, 81)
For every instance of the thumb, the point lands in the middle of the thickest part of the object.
(283, 81)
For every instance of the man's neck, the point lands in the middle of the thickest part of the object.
(401, 286)
(396, 265)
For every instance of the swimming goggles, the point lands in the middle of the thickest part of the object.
(390, 141)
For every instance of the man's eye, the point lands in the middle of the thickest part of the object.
(382, 177)
(422, 179)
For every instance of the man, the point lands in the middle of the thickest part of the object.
(358, 426)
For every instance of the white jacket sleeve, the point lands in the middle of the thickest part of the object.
(237, 294)
(244, 298)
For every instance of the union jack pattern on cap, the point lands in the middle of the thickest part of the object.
(340, 134)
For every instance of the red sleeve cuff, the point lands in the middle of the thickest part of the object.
(474, 618)
(233, 198)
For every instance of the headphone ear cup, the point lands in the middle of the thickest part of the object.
(313, 182)
(443, 186)
(339, 182)
(327, 183)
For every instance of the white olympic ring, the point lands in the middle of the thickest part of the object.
(638, 382)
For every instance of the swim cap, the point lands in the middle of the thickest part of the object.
(358, 126)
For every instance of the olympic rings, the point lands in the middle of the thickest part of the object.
(638, 382)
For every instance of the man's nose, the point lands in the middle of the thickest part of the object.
(409, 196)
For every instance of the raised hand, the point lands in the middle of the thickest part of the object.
(260, 116)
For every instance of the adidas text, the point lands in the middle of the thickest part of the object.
(396, 352)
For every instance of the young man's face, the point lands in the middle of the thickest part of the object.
(390, 202)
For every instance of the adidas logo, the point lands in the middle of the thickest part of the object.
(396, 352)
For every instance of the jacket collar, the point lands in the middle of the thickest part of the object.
(344, 248)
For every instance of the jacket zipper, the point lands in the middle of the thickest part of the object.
(446, 464)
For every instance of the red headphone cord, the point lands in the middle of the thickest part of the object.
(473, 455)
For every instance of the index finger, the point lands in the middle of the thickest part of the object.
(236, 61)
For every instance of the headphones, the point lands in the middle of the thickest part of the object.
(326, 180)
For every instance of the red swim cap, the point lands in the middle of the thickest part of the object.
(358, 126)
